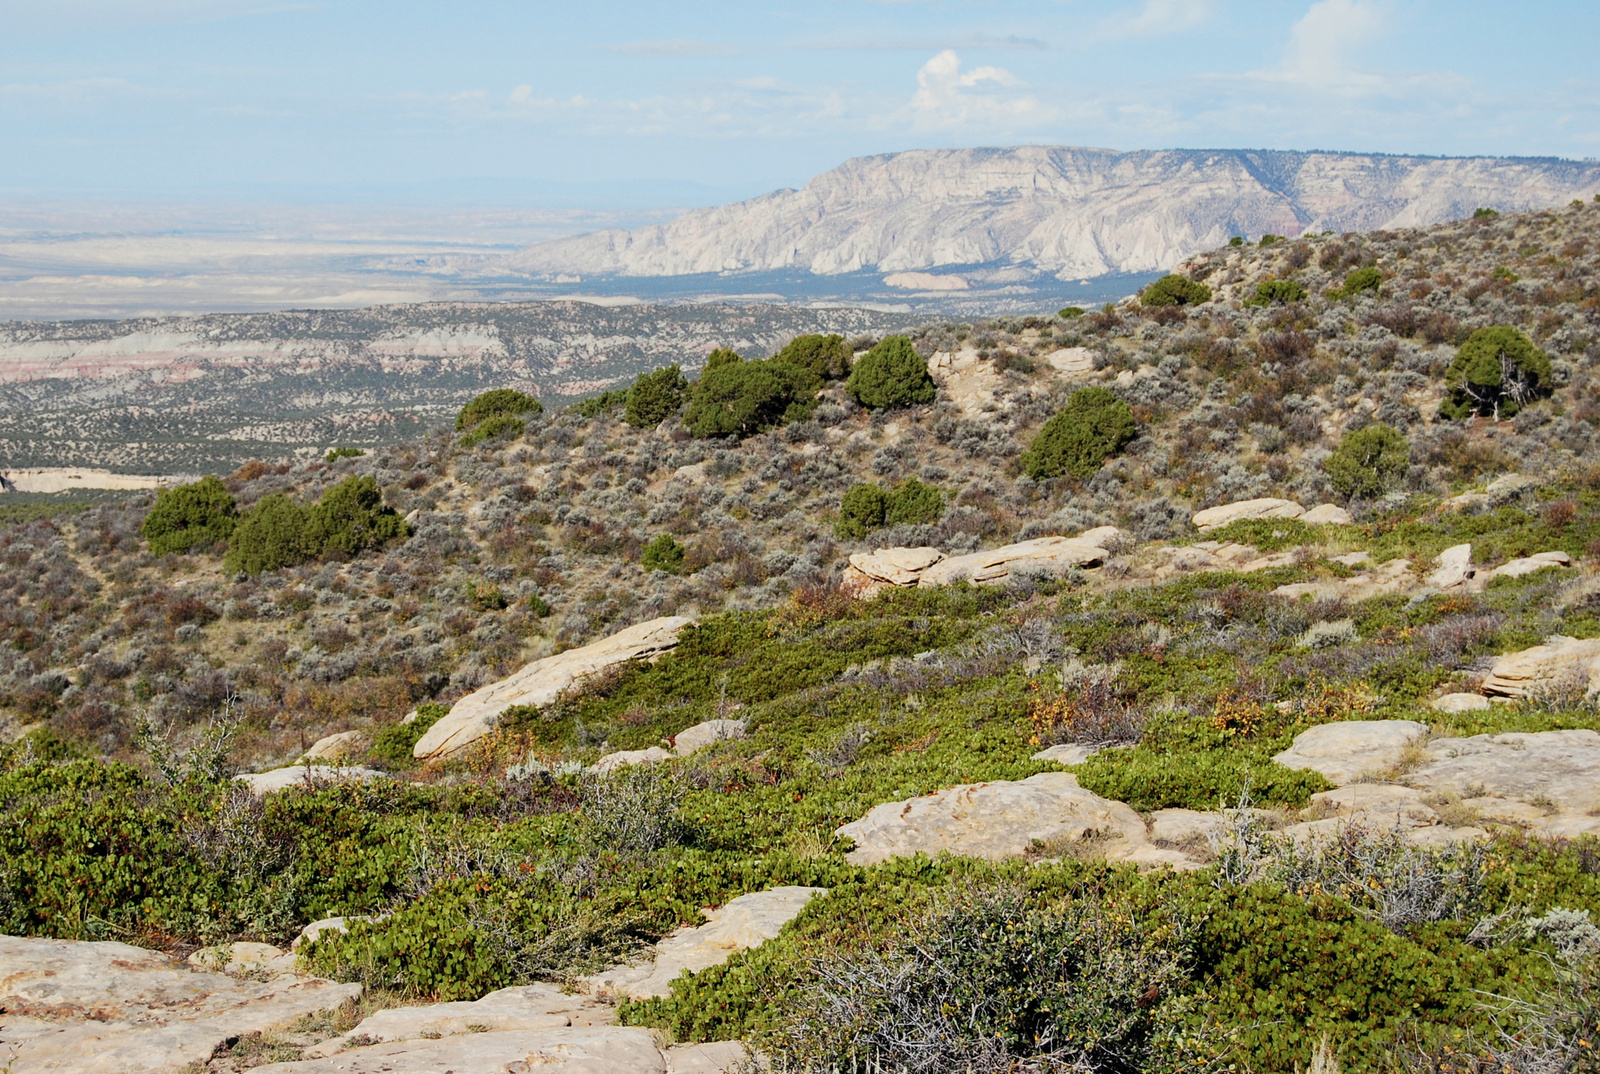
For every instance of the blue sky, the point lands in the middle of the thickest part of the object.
(606, 103)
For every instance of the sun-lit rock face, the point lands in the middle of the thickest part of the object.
(1064, 210)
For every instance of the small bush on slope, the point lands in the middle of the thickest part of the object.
(1174, 290)
(498, 403)
(190, 517)
(868, 506)
(1496, 372)
(1092, 427)
(1368, 461)
(891, 375)
(828, 357)
(739, 398)
(655, 397)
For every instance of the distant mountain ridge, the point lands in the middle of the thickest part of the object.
(1065, 211)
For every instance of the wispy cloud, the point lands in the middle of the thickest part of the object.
(1324, 43)
(72, 93)
(1155, 18)
(674, 48)
(948, 97)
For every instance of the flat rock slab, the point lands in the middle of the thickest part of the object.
(306, 776)
(337, 747)
(708, 733)
(896, 566)
(1560, 663)
(1539, 561)
(90, 1007)
(518, 1008)
(1264, 507)
(544, 681)
(625, 758)
(1560, 767)
(1382, 805)
(995, 565)
(1327, 514)
(1391, 576)
(1346, 751)
(715, 1057)
(994, 820)
(742, 923)
(576, 1050)
(1459, 703)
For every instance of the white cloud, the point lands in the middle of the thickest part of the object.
(72, 93)
(1323, 43)
(949, 97)
(1157, 17)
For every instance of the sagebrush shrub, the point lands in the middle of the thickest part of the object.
(1092, 427)
(994, 980)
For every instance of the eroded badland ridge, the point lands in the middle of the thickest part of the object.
(1209, 681)
(1062, 211)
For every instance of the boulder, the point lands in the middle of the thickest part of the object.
(1459, 703)
(1557, 767)
(326, 924)
(995, 565)
(1344, 752)
(1516, 568)
(994, 820)
(706, 734)
(740, 924)
(543, 681)
(1454, 568)
(1377, 805)
(536, 1006)
(308, 776)
(1327, 514)
(1508, 487)
(895, 566)
(624, 758)
(1560, 663)
(337, 747)
(1101, 536)
(1073, 361)
(574, 1050)
(1357, 560)
(1068, 753)
(1265, 507)
(77, 1007)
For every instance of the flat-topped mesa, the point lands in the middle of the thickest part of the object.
(870, 572)
(543, 682)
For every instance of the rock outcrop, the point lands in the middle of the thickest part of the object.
(75, 1007)
(1346, 751)
(1558, 664)
(1539, 561)
(521, 1007)
(543, 681)
(1060, 209)
(870, 572)
(689, 740)
(740, 924)
(1560, 768)
(1263, 507)
(306, 775)
(1453, 568)
(575, 1050)
(996, 820)
(995, 566)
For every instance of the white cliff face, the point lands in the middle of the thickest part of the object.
(1070, 211)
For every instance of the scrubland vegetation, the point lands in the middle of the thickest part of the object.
(259, 611)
